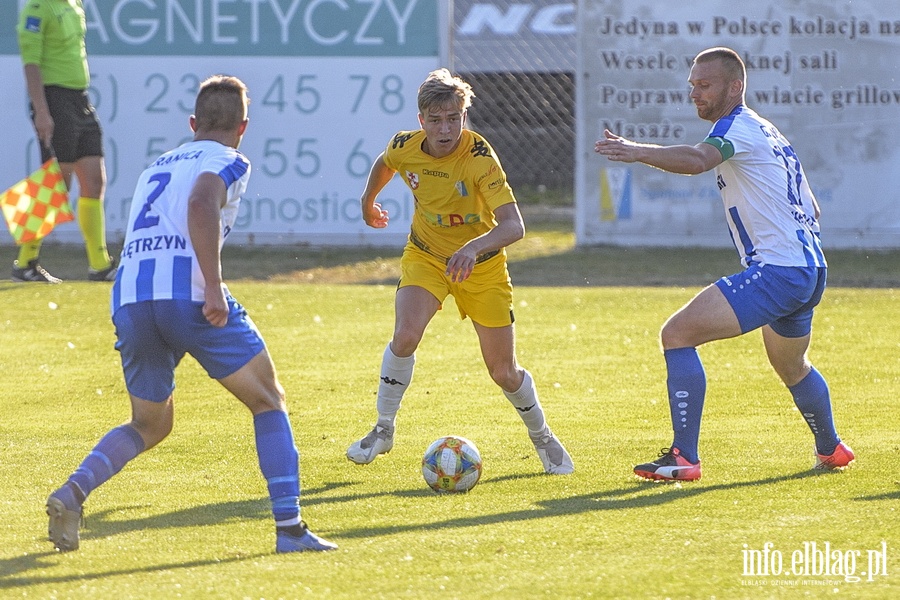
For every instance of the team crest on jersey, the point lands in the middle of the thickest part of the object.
(33, 24)
(461, 188)
(413, 180)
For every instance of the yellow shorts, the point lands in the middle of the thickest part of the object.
(485, 297)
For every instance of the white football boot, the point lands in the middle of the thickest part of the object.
(378, 441)
(555, 458)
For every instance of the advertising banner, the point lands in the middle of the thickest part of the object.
(509, 36)
(330, 82)
(825, 73)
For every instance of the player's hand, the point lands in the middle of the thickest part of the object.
(375, 216)
(215, 307)
(616, 148)
(43, 126)
(461, 264)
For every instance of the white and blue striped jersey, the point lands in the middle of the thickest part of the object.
(769, 205)
(158, 261)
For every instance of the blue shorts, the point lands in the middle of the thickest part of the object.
(781, 297)
(154, 336)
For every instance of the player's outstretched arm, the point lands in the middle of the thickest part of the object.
(207, 198)
(682, 159)
(379, 176)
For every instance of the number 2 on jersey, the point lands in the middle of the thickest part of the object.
(144, 220)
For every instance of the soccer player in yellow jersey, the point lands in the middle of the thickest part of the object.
(465, 215)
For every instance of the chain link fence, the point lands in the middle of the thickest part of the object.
(520, 59)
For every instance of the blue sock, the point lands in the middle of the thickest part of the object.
(107, 458)
(687, 389)
(814, 401)
(280, 465)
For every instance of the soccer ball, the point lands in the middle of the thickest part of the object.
(451, 464)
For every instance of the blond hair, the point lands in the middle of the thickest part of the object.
(441, 89)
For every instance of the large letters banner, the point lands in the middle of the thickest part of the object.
(825, 73)
(330, 82)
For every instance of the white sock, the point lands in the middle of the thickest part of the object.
(396, 374)
(525, 399)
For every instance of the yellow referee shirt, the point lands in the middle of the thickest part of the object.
(51, 36)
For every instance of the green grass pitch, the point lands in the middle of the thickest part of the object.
(191, 518)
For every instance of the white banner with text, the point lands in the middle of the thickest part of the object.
(330, 82)
(824, 73)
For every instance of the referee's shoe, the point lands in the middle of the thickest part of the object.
(32, 272)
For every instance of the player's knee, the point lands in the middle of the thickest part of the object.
(505, 376)
(93, 185)
(404, 342)
(671, 336)
(152, 431)
(273, 399)
(792, 373)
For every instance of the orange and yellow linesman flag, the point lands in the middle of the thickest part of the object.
(37, 204)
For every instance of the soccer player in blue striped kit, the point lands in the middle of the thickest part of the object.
(773, 217)
(169, 300)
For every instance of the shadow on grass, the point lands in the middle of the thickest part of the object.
(99, 525)
(104, 524)
(31, 562)
(886, 496)
(638, 495)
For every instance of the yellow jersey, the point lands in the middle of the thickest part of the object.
(51, 36)
(455, 196)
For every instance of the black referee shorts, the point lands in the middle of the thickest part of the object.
(76, 131)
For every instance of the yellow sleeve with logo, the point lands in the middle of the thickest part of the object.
(51, 36)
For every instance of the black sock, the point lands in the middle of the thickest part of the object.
(296, 530)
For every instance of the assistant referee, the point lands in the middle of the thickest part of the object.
(51, 39)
